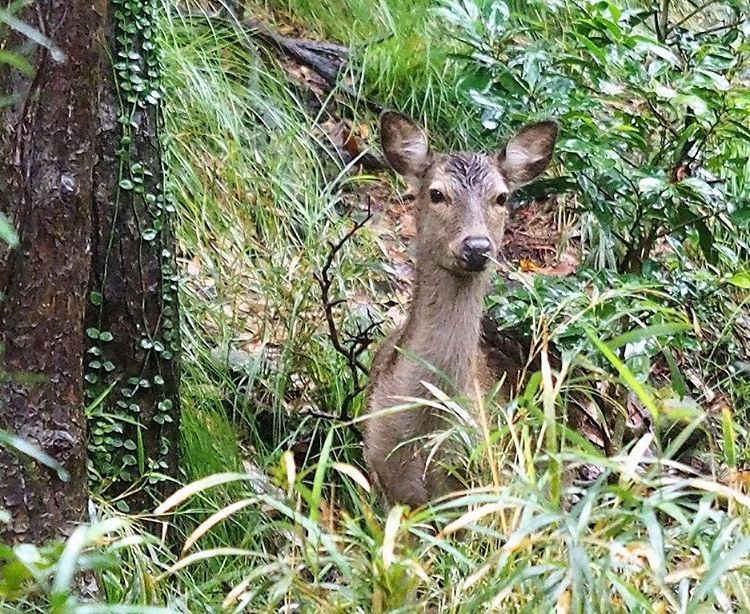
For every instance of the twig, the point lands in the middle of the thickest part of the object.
(319, 415)
(694, 12)
(662, 26)
(726, 26)
(661, 119)
(357, 342)
(702, 143)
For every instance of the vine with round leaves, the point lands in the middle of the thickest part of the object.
(115, 457)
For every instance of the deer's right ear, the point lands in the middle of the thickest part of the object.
(404, 143)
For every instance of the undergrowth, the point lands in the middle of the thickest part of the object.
(277, 514)
(261, 196)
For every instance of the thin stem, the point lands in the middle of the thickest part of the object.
(694, 12)
(662, 30)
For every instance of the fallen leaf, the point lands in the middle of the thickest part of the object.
(563, 603)
(681, 172)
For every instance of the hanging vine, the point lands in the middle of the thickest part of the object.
(131, 369)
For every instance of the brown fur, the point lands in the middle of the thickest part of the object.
(443, 326)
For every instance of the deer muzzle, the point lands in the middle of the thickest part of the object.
(475, 252)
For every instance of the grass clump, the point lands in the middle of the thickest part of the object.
(259, 196)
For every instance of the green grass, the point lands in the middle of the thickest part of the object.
(635, 540)
(258, 197)
(401, 58)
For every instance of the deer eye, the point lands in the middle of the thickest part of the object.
(502, 199)
(436, 196)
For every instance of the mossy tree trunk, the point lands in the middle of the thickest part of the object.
(132, 320)
(47, 157)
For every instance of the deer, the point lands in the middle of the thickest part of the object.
(461, 202)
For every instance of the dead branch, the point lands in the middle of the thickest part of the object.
(356, 343)
(326, 59)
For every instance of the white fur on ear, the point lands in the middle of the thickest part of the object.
(404, 143)
(414, 148)
(528, 153)
(516, 156)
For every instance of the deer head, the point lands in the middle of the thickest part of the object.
(462, 197)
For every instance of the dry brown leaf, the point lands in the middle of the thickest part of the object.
(245, 308)
(328, 515)
(563, 603)
(740, 480)
(567, 265)
(681, 172)
(351, 144)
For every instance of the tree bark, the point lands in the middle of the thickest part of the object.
(47, 157)
(133, 285)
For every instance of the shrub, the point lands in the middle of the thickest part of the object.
(652, 102)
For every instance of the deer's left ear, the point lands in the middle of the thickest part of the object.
(528, 153)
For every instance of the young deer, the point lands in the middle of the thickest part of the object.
(461, 213)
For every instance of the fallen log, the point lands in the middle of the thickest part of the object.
(327, 60)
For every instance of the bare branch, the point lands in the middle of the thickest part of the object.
(357, 342)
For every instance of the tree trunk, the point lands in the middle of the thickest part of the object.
(132, 321)
(47, 157)
(81, 179)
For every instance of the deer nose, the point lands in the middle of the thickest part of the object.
(474, 252)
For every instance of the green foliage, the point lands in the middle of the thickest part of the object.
(679, 334)
(108, 561)
(116, 446)
(634, 540)
(652, 101)
(259, 195)
(653, 119)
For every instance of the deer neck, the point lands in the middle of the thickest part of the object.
(443, 327)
